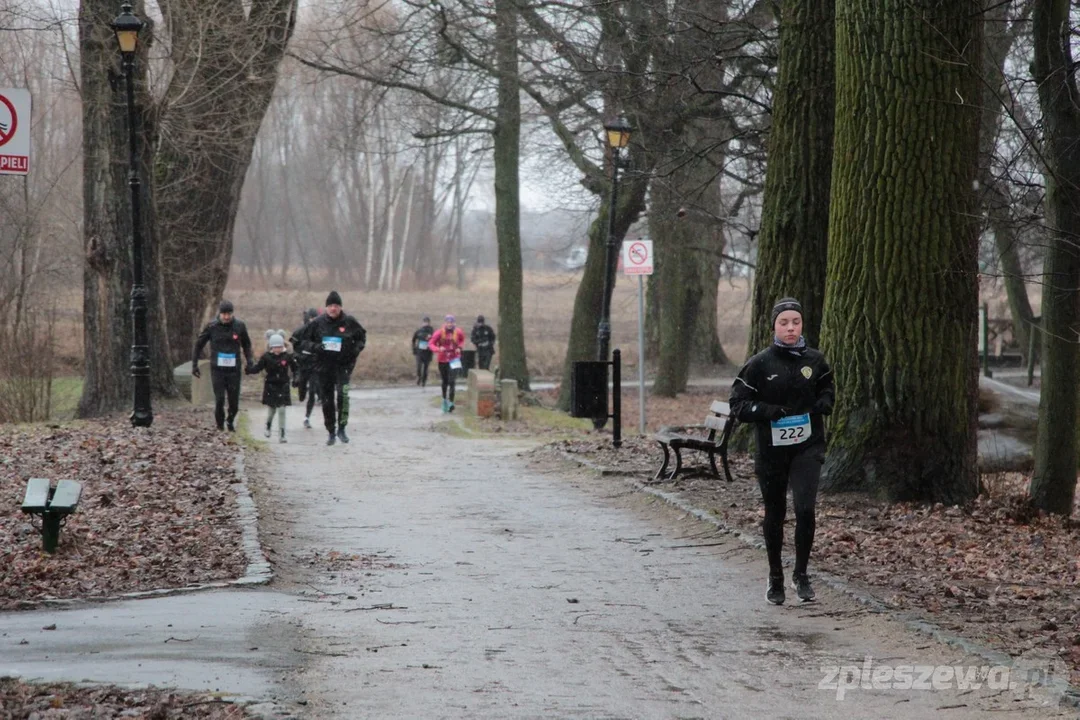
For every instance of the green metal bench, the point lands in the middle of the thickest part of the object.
(53, 505)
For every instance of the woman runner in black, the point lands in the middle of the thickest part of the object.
(784, 390)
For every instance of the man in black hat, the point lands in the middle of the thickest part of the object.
(227, 336)
(336, 340)
(483, 337)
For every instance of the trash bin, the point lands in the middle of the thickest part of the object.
(589, 389)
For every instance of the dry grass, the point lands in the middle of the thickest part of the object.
(391, 317)
(548, 303)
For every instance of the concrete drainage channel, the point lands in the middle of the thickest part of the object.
(1067, 694)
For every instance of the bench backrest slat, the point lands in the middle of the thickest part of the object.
(37, 495)
(66, 496)
(721, 408)
(715, 423)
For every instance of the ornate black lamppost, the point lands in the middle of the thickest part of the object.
(127, 27)
(618, 137)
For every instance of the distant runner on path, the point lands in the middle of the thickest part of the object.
(784, 390)
(447, 343)
(421, 351)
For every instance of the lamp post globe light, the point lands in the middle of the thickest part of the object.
(617, 134)
(127, 27)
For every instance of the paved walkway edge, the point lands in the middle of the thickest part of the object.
(1068, 695)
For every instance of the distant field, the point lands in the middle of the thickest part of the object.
(391, 318)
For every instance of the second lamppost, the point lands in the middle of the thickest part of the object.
(127, 27)
(617, 134)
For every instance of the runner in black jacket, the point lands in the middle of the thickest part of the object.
(483, 337)
(227, 336)
(421, 351)
(305, 380)
(784, 391)
(336, 339)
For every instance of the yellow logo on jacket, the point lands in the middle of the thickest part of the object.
(807, 372)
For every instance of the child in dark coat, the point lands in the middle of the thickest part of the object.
(279, 366)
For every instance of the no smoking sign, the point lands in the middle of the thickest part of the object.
(637, 257)
(14, 131)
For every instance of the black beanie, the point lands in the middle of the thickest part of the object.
(333, 298)
(784, 305)
(225, 307)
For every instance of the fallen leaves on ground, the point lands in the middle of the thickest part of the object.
(157, 508)
(994, 571)
(42, 702)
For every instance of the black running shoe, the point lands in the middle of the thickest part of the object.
(775, 593)
(341, 435)
(332, 439)
(801, 584)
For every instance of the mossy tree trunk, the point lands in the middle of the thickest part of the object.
(1054, 483)
(793, 242)
(902, 283)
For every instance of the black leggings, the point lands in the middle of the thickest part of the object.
(423, 360)
(801, 473)
(312, 383)
(449, 377)
(226, 383)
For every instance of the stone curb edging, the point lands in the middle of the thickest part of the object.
(258, 570)
(1068, 695)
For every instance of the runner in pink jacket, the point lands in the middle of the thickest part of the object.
(446, 343)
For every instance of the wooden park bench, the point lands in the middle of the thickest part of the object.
(679, 438)
(53, 505)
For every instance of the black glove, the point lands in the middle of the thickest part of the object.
(250, 368)
(774, 412)
(195, 372)
(823, 406)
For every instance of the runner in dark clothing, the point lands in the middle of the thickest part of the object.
(336, 339)
(784, 391)
(422, 351)
(305, 380)
(227, 336)
(483, 337)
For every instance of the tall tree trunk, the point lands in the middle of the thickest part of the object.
(107, 229)
(511, 334)
(1054, 483)
(206, 141)
(405, 231)
(902, 290)
(999, 38)
(793, 244)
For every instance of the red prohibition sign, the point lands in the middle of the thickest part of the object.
(638, 253)
(5, 136)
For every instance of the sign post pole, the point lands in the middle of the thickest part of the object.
(641, 348)
(637, 259)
